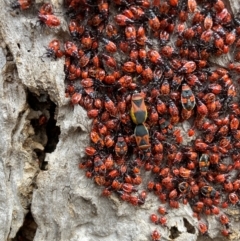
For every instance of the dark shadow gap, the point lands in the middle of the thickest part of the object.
(174, 233)
(9, 55)
(45, 125)
(28, 230)
(190, 228)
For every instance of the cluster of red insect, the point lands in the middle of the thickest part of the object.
(142, 69)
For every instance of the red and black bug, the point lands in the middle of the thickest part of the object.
(21, 4)
(187, 98)
(53, 50)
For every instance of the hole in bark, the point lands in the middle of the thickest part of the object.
(9, 55)
(174, 233)
(44, 124)
(189, 227)
(29, 50)
(28, 230)
(19, 46)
